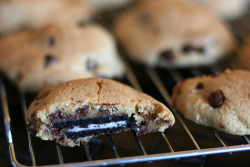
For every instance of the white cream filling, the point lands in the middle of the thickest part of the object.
(98, 126)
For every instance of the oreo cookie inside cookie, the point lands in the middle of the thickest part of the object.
(83, 127)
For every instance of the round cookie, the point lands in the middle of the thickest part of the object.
(75, 111)
(108, 4)
(220, 101)
(59, 53)
(244, 54)
(18, 14)
(223, 9)
(173, 33)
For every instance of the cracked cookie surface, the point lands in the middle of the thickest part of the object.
(75, 111)
(59, 53)
(221, 101)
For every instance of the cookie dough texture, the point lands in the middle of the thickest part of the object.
(59, 53)
(221, 101)
(18, 14)
(172, 33)
(244, 54)
(99, 95)
(224, 9)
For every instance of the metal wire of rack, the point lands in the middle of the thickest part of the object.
(145, 156)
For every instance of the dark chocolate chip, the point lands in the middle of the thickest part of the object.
(50, 60)
(91, 65)
(59, 116)
(199, 86)
(56, 131)
(154, 115)
(51, 41)
(168, 54)
(82, 112)
(188, 48)
(216, 99)
(103, 112)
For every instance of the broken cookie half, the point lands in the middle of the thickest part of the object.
(73, 112)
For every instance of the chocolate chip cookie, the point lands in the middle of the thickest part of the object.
(59, 53)
(18, 14)
(221, 101)
(244, 54)
(172, 33)
(73, 112)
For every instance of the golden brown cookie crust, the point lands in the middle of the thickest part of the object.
(220, 101)
(97, 93)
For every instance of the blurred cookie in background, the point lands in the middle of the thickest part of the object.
(18, 14)
(171, 34)
(59, 53)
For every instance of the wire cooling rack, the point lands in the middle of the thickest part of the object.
(156, 82)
